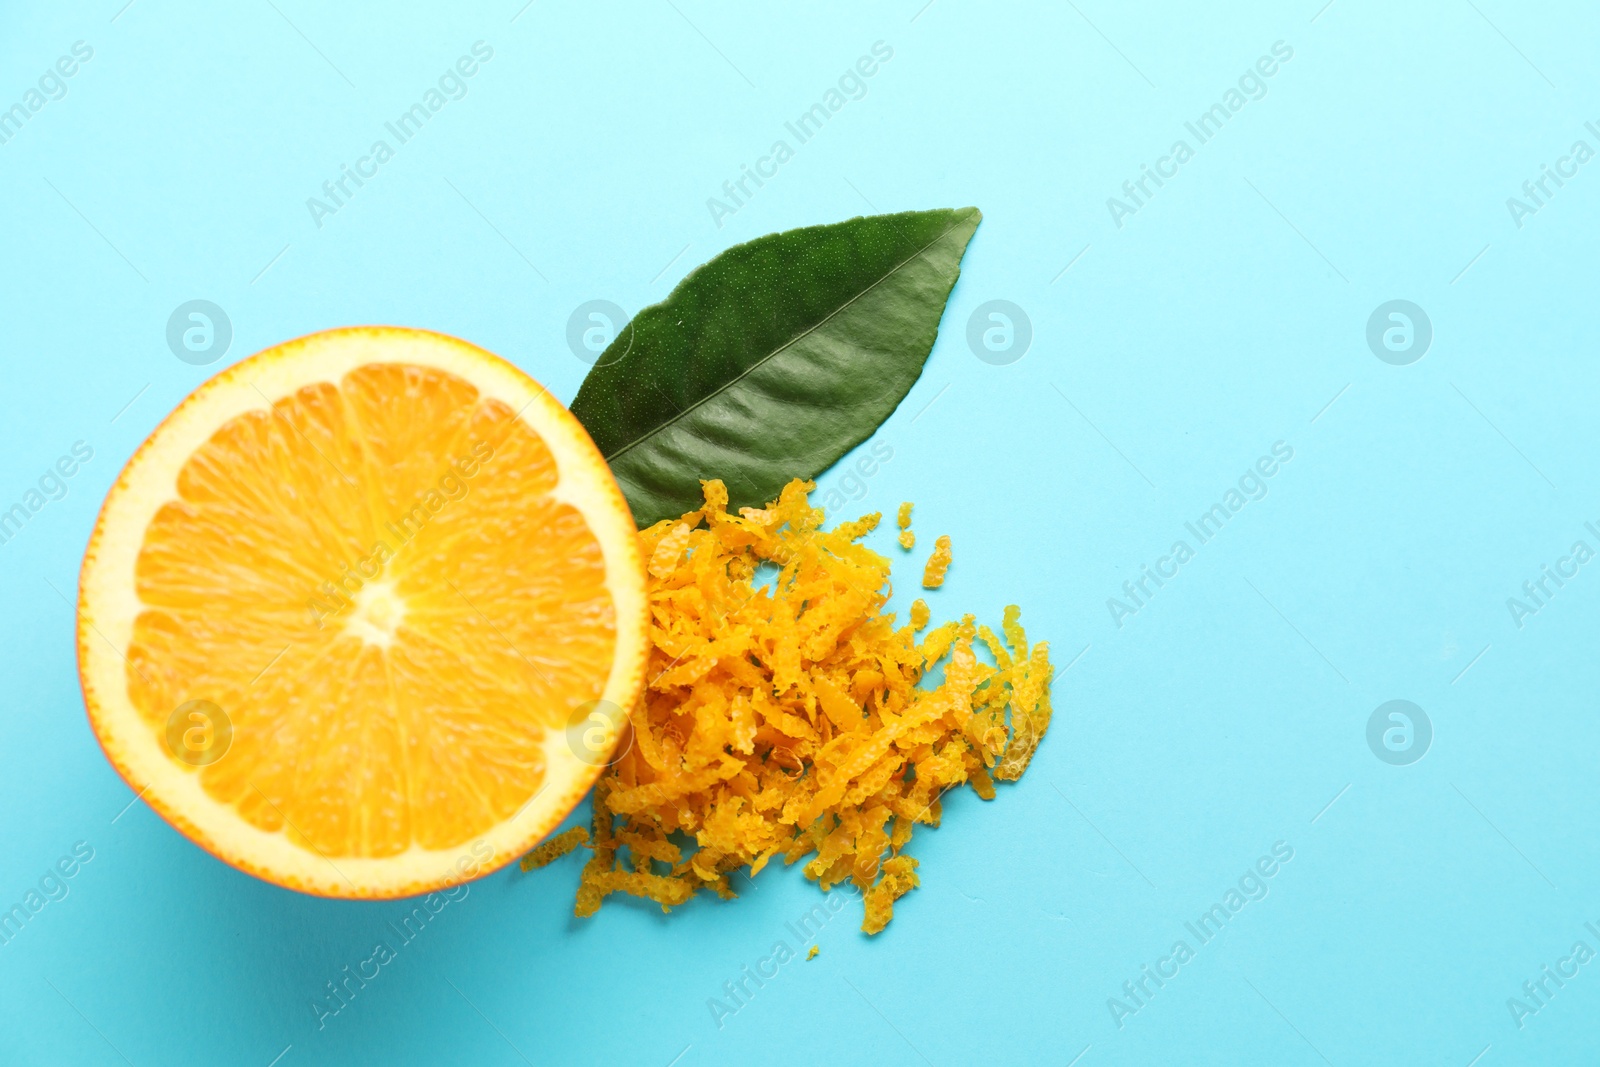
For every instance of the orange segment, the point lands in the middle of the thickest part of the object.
(398, 569)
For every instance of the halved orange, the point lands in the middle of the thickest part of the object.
(340, 611)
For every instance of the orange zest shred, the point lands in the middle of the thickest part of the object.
(899, 878)
(908, 539)
(785, 720)
(938, 563)
(555, 848)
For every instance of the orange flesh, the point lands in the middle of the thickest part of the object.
(351, 580)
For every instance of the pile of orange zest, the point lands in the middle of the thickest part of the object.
(938, 563)
(555, 848)
(785, 720)
(908, 539)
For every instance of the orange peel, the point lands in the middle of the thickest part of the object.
(788, 720)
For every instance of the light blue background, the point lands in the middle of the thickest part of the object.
(1224, 316)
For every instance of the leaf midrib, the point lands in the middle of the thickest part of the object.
(796, 339)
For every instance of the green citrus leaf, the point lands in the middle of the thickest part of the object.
(772, 360)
